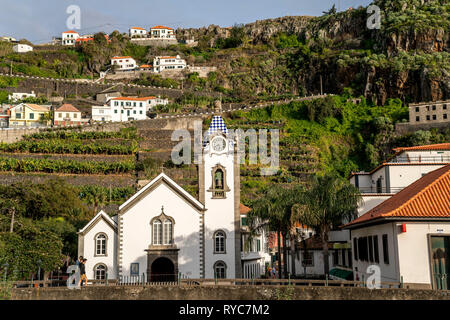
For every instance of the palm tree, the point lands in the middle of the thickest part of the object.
(97, 197)
(272, 212)
(328, 202)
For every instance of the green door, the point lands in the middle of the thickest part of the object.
(440, 262)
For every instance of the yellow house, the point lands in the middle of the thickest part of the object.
(29, 115)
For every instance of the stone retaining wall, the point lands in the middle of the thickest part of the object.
(226, 293)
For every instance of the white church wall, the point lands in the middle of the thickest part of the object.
(89, 250)
(137, 231)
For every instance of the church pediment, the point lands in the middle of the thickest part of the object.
(155, 183)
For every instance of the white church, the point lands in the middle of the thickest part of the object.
(162, 232)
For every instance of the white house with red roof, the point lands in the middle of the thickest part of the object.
(125, 63)
(406, 166)
(67, 115)
(138, 32)
(69, 38)
(162, 32)
(168, 63)
(408, 235)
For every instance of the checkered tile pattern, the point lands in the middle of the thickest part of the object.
(217, 124)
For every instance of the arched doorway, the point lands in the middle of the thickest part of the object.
(163, 270)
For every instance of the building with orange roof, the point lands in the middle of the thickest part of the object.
(125, 63)
(67, 115)
(408, 235)
(406, 166)
(168, 63)
(29, 115)
(69, 38)
(162, 32)
(138, 32)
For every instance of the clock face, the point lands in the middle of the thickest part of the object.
(218, 144)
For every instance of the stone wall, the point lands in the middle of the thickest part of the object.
(154, 42)
(406, 127)
(225, 293)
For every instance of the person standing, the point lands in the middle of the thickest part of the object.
(83, 273)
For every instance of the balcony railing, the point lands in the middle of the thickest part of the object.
(383, 190)
(420, 159)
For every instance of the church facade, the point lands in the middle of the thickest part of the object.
(162, 232)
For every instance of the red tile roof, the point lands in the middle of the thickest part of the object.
(161, 27)
(116, 58)
(67, 108)
(146, 66)
(138, 28)
(244, 209)
(428, 197)
(71, 31)
(439, 146)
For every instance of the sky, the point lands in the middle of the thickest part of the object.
(40, 20)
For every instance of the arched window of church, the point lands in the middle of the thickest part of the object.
(218, 180)
(100, 244)
(219, 242)
(220, 270)
(157, 232)
(100, 272)
(168, 232)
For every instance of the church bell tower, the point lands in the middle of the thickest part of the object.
(219, 183)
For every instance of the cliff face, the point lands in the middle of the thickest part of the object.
(407, 58)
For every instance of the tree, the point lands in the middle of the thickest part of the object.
(273, 212)
(331, 11)
(327, 203)
(95, 196)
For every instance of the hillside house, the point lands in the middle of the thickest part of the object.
(67, 115)
(123, 63)
(29, 115)
(406, 166)
(168, 63)
(408, 235)
(162, 32)
(16, 96)
(137, 32)
(22, 48)
(5, 113)
(69, 38)
(429, 112)
(126, 108)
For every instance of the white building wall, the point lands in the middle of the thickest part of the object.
(101, 113)
(318, 264)
(73, 116)
(390, 271)
(219, 215)
(371, 201)
(89, 250)
(124, 63)
(402, 176)
(22, 48)
(413, 250)
(138, 234)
